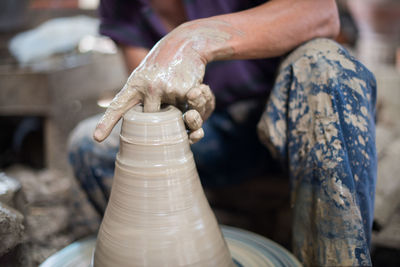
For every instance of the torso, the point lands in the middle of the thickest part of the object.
(171, 12)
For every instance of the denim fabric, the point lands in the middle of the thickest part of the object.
(320, 120)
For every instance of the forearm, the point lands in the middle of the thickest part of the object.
(270, 29)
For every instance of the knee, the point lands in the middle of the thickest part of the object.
(80, 137)
(323, 65)
(83, 151)
(322, 46)
(319, 51)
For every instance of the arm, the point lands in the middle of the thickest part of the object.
(273, 28)
(173, 70)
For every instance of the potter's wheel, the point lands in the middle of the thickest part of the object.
(247, 249)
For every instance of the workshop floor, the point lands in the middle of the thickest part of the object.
(56, 214)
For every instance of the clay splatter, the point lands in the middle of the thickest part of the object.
(320, 120)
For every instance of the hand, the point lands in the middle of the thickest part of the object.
(171, 73)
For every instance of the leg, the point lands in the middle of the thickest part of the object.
(320, 120)
(92, 162)
(230, 151)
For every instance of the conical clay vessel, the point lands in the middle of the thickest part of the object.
(158, 214)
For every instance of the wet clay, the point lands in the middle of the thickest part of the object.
(158, 214)
(172, 73)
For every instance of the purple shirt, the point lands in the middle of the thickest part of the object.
(133, 22)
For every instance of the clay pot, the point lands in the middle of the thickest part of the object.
(158, 214)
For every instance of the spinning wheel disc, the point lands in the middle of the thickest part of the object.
(247, 249)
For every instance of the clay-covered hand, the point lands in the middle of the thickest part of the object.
(171, 73)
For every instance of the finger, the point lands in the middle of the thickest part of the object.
(122, 102)
(196, 100)
(201, 99)
(152, 103)
(210, 102)
(193, 120)
(195, 136)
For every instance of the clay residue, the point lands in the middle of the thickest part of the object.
(338, 229)
(173, 68)
(302, 124)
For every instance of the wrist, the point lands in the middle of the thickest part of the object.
(209, 38)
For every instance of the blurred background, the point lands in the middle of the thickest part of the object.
(56, 70)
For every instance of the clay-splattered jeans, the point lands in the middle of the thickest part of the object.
(318, 121)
